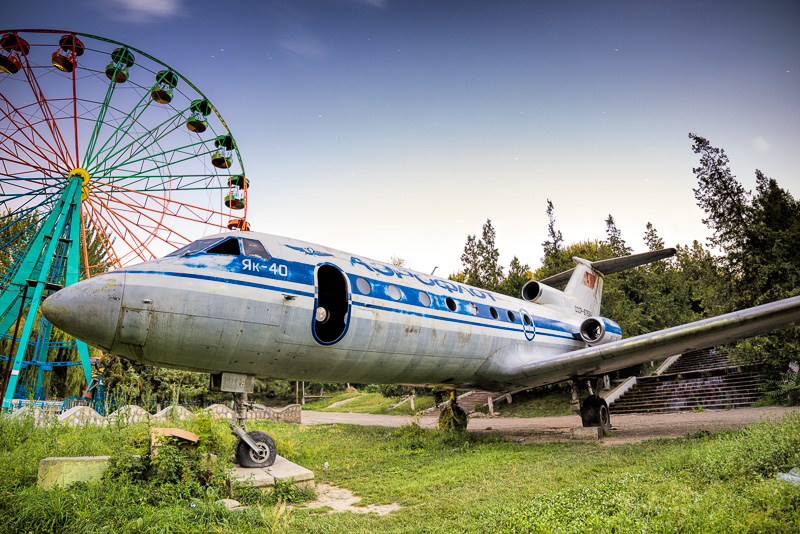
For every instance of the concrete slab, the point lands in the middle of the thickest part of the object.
(63, 471)
(265, 477)
(591, 433)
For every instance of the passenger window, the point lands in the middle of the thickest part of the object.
(425, 299)
(394, 292)
(229, 247)
(255, 248)
(363, 286)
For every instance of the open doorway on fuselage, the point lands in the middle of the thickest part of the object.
(332, 306)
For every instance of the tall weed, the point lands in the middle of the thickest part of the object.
(756, 451)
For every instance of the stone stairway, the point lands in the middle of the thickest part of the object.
(701, 360)
(698, 380)
(468, 402)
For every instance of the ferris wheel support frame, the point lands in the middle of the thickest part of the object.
(37, 271)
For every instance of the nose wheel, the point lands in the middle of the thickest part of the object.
(257, 450)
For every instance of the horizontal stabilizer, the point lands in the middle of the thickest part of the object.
(613, 265)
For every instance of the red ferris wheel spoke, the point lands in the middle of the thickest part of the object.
(106, 239)
(179, 205)
(29, 169)
(133, 205)
(49, 118)
(116, 222)
(22, 128)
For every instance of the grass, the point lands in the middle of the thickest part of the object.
(531, 403)
(445, 482)
(373, 403)
(534, 403)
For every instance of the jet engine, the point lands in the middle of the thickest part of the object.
(599, 330)
(539, 293)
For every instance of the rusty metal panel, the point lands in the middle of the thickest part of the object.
(134, 326)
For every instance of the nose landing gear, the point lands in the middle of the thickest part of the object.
(255, 448)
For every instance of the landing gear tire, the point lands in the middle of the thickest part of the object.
(453, 418)
(263, 457)
(594, 412)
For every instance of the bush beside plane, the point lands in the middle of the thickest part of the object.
(244, 304)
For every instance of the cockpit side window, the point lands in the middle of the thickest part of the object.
(230, 247)
(255, 248)
(197, 246)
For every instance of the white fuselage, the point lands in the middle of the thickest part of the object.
(223, 312)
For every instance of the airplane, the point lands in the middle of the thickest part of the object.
(242, 304)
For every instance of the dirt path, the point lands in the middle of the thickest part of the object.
(626, 428)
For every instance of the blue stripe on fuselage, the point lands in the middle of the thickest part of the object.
(303, 274)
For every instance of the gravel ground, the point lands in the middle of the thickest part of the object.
(625, 428)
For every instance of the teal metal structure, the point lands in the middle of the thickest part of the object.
(51, 261)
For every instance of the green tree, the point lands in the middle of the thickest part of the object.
(615, 240)
(718, 193)
(758, 234)
(480, 260)
(554, 241)
(652, 239)
(518, 276)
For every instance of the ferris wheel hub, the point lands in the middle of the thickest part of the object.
(84, 176)
(83, 173)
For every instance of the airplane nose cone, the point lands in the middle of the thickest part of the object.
(88, 310)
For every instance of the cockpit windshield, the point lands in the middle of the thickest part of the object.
(197, 246)
(255, 248)
(230, 246)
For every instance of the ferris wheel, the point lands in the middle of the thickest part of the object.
(108, 156)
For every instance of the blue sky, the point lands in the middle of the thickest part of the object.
(385, 127)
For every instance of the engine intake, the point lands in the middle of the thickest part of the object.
(599, 330)
(540, 293)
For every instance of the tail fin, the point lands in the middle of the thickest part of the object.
(585, 281)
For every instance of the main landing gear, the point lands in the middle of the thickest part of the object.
(594, 410)
(453, 417)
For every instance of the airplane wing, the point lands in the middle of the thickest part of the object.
(511, 366)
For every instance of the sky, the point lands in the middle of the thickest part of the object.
(397, 128)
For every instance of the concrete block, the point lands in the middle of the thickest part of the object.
(60, 471)
(590, 433)
(265, 477)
